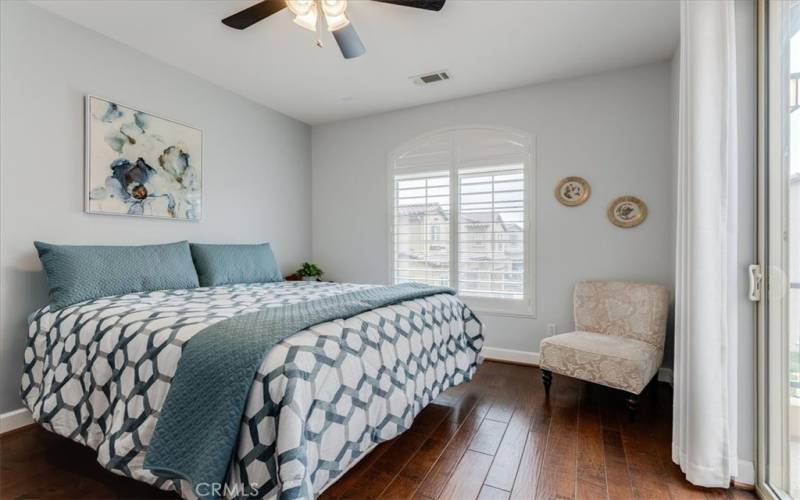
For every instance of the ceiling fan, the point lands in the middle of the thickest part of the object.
(311, 14)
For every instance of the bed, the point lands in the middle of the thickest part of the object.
(100, 371)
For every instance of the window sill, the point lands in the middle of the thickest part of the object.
(509, 314)
(499, 307)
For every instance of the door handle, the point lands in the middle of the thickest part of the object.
(756, 282)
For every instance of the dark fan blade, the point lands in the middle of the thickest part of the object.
(417, 4)
(349, 42)
(254, 14)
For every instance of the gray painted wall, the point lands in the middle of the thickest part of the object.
(675, 70)
(614, 129)
(256, 161)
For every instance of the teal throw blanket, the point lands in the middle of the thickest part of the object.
(196, 434)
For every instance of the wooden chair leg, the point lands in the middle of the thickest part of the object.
(547, 380)
(653, 390)
(633, 406)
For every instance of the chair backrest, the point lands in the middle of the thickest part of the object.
(632, 310)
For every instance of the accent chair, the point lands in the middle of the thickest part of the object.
(618, 339)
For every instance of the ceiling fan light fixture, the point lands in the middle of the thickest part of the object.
(334, 11)
(305, 12)
(307, 21)
(301, 7)
(336, 22)
(334, 8)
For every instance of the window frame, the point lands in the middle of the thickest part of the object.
(496, 306)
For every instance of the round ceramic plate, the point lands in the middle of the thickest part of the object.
(627, 211)
(573, 191)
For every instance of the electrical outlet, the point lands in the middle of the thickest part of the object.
(551, 329)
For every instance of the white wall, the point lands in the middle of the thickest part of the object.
(256, 161)
(613, 129)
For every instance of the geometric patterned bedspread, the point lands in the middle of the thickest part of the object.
(98, 373)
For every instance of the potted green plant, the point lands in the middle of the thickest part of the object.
(310, 272)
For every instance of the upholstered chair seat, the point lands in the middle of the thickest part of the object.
(619, 338)
(617, 362)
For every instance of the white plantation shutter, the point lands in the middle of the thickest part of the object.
(422, 228)
(491, 230)
(461, 211)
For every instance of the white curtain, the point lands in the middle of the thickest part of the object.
(704, 412)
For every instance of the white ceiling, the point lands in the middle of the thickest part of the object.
(487, 45)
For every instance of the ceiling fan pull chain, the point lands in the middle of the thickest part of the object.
(320, 20)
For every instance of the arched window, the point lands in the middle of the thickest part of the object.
(462, 215)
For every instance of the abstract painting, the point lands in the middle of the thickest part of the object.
(141, 164)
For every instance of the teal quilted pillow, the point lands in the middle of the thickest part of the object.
(229, 264)
(77, 273)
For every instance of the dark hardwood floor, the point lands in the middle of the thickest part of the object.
(494, 438)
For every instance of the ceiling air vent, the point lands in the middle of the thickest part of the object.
(429, 78)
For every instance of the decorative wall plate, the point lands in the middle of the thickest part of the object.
(627, 211)
(573, 191)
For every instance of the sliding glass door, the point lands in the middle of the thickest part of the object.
(779, 188)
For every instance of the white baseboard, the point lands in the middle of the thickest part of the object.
(14, 420)
(510, 355)
(747, 474)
